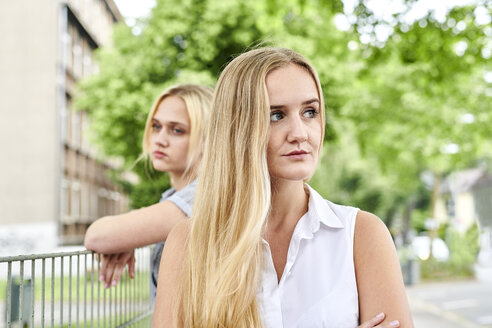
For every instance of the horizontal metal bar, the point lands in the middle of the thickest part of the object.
(40, 256)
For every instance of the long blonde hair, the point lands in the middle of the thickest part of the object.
(197, 99)
(223, 262)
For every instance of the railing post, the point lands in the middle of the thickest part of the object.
(70, 259)
(61, 291)
(33, 286)
(52, 292)
(92, 290)
(9, 295)
(78, 289)
(21, 294)
(85, 291)
(43, 285)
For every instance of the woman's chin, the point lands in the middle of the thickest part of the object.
(159, 166)
(292, 176)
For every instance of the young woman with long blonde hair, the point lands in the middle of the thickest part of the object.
(263, 249)
(173, 141)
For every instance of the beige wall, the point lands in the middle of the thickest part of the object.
(465, 210)
(28, 125)
(441, 211)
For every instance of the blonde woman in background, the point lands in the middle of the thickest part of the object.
(173, 140)
(264, 249)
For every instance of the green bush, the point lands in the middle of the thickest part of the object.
(463, 249)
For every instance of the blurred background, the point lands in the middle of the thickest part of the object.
(408, 91)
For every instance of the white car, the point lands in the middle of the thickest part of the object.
(421, 248)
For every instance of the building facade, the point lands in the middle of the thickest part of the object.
(48, 170)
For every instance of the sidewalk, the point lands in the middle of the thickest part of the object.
(454, 304)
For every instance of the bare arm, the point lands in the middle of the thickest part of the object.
(169, 273)
(379, 280)
(124, 232)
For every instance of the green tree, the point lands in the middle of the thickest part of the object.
(423, 103)
(394, 109)
(191, 41)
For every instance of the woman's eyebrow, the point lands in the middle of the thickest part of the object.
(169, 122)
(307, 102)
(176, 123)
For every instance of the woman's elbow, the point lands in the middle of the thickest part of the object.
(94, 239)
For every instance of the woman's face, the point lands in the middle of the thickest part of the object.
(170, 136)
(295, 123)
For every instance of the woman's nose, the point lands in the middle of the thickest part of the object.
(297, 131)
(162, 139)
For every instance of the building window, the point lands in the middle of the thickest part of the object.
(68, 39)
(84, 201)
(87, 63)
(77, 56)
(84, 128)
(68, 120)
(75, 210)
(65, 200)
(76, 130)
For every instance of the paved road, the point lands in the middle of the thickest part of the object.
(451, 304)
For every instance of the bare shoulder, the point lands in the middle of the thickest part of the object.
(178, 236)
(181, 230)
(372, 243)
(174, 249)
(169, 275)
(369, 229)
(379, 280)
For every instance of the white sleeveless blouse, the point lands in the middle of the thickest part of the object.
(318, 287)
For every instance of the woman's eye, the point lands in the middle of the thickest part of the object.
(156, 127)
(276, 116)
(310, 113)
(177, 130)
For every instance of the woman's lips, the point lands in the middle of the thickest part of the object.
(297, 154)
(159, 154)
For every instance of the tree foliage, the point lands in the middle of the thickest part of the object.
(423, 102)
(395, 108)
(190, 42)
(424, 90)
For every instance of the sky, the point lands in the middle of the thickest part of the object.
(132, 9)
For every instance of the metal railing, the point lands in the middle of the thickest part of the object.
(63, 290)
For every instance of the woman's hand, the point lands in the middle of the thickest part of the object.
(374, 322)
(112, 267)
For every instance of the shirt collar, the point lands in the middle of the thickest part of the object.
(319, 209)
(319, 212)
